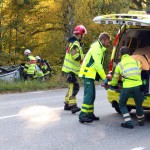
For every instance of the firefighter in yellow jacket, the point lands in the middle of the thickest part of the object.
(130, 71)
(91, 70)
(30, 65)
(71, 67)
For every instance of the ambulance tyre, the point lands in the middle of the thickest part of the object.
(118, 109)
(129, 108)
(116, 106)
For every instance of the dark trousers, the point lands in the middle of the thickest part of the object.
(145, 80)
(89, 97)
(138, 98)
(28, 76)
(73, 89)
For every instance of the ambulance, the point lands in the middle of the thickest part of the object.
(134, 32)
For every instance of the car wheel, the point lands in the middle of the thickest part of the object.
(129, 108)
(116, 106)
(118, 109)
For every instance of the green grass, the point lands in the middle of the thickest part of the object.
(56, 81)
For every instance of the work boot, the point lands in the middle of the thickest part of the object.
(75, 109)
(127, 125)
(141, 123)
(85, 119)
(67, 107)
(94, 117)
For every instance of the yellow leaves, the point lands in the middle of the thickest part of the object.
(43, 24)
(108, 1)
(20, 2)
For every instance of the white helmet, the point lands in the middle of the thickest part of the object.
(37, 57)
(27, 51)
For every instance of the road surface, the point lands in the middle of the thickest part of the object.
(37, 121)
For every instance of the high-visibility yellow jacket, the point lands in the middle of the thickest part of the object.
(30, 65)
(74, 56)
(38, 72)
(93, 61)
(130, 71)
(45, 69)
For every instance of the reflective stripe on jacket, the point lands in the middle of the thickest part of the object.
(130, 71)
(71, 64)
(93, 61)
(30, 65)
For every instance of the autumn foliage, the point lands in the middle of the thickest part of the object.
(43, 26)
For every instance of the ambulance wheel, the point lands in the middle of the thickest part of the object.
(118, 109)
(129, 108)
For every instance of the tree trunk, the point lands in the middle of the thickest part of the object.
(1, 38)
(69, 17)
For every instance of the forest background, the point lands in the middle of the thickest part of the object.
(43, 26)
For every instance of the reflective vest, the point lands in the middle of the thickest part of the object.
(30, 65)
(70, 62)
(130, 71)
(38, 72)
(93, 61)
(45, 69)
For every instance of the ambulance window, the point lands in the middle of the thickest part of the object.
(144, 37)
(133, 45)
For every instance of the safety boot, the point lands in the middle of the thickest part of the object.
(141, 123)
(85, 119)
(94, 117)
(75, 109)
(141, 120)
(127, 125)
(67, 107)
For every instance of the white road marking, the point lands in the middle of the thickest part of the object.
(11, 116)
(17, 115)
(138, 148)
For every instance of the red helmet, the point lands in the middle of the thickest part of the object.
(80, 29)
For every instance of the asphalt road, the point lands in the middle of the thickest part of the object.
(37, 121)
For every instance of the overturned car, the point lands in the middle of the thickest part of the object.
(10, 73)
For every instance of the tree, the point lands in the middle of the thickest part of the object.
(45, 25)
(140, 4)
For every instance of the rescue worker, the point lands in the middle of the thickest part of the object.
(38, 72)
(38, 61)
(46, 68)
(71, 67)
(91, 70)
(130, 71)
(30, 65)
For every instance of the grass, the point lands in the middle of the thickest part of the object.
(56, 81)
